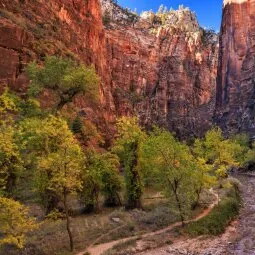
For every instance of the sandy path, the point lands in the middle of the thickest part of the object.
(101, 248)
(238, 239)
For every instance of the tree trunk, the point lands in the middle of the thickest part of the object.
(134, 190)
(68, 222)
(198, 192)
(52, 201)
(11, 183)
(60, 105)
(179, 207)
(119, 199)
(112, 200)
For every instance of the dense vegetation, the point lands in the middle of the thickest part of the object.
(221, 215)
(44, 159)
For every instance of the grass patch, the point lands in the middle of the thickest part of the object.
(123, 246)
(155, 219)
(219, 218)
(51, 237)
(138, 222)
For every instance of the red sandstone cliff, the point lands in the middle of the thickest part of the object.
(33, 29)
(165, 73)
(30, 30)
(235, 103)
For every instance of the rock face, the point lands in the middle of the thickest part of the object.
(164, 71)
(161, 67)
(30, 30)
(235, 100)
(113, 12)
(33, 29)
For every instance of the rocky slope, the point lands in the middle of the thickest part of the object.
(161, 67)
(235, 103)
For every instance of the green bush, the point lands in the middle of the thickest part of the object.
(65, 78)
(106, 18)
(77, 126)
(219, 218)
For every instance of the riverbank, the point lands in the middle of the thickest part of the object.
(238, 239)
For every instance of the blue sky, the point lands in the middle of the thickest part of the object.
(208, 11)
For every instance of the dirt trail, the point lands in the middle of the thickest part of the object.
(238, 239)
(101, 248)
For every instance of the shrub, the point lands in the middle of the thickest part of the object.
(106, 18)
(15, 223)
(55, 215)
(77, 125)
(219, 218)
(155, 219)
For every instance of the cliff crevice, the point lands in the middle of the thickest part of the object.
(235, 97)
(160, 67)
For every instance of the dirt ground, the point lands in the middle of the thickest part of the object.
(238, 239)
(148, 240)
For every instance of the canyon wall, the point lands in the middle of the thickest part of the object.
(34, 29)
(163, 69)
(235, 99)
(30, 30)
(160, 67)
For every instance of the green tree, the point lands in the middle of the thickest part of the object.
(101, 175)
(250, 157)
(11, 163)
(91, 184)
(65, 78)
(30, 108)
(15, 223)
(109, 167)
(8, 107)
(220, 151)
(243, 151)
(127, 147)
(106, 18)
(172, 165)
(13, 108)
(202, 178)
(77, 125)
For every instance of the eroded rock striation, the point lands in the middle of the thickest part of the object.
(160, 67)
(163, 68)
(34, 29)
(30, 30)
(235, 101)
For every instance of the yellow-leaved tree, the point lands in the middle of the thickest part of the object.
(10, 158)
(57, 161)
(220, 151)
(64, 167)
(15, 223)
